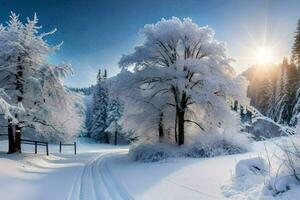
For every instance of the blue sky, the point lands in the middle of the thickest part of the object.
(96, 33)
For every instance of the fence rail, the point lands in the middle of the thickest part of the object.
(36, 143)
(70, 144)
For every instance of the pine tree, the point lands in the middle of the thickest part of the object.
(296, 47)
(100, 103)
(105, 75)
(293, 82)
(265, 94)
(113, 115)
(32, 81)
(281, 111)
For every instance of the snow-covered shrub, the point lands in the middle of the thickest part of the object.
(275, 177)
(211, 145)
(225, 140)
(219, 148)
(287, 173)
(152, 152)
(256, 165)
(248, 181)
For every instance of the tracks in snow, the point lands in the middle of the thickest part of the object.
(96, 182)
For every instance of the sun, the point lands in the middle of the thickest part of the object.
(263, 56)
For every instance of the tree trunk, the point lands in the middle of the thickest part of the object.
(176, 134)
(11, 139)
(116, 135)
(180, 122)
(18, 138)
(160, 127)
(106, 137)
(20, 89)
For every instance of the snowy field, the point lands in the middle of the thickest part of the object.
(105, 172)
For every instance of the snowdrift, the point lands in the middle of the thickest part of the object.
(263, 127)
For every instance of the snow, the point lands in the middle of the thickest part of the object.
(42, 177)
(101, 171)
(175, 178)
(255, 165)
(106, 172)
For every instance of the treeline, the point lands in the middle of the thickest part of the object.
(85, 91)
(275, 90)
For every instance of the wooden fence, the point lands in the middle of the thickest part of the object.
(36, 144)
(72, 144)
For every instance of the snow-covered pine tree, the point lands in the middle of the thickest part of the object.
(280, 109)
(292, 87)
(264, 95)
(100, 109)
(295, 58)
(95, 105)
(89, 114)
(114, 113)
(30, 80)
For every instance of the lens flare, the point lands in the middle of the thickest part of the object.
(263, 56)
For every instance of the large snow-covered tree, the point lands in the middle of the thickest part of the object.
(182, 75)
(30, 80)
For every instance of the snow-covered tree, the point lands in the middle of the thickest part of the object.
(114, 113)
(181, 76)
(30, 80)
(295, 58)
(100, 104)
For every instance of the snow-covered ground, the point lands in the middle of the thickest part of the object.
(58, 176)
(105, 172)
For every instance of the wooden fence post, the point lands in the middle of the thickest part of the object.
(60, 147)
(75, 148)
(35, 147)
(47, 149)
(18, 139)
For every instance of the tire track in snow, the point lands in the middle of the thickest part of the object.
(75, 193)
(97, 182)
(115, 189)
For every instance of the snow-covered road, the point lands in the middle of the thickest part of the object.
(60, 176)
(105, 172)
(97, 182)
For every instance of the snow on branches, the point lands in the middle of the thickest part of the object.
(30, 80)
(181, 80)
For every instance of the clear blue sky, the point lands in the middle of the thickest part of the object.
(96, 33)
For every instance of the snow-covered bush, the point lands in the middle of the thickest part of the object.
(248, 181)
(287, 172)
(273, 176)
(218, 148)
(150, 152)
(256, 165)
(153, 152)
(203, 145)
